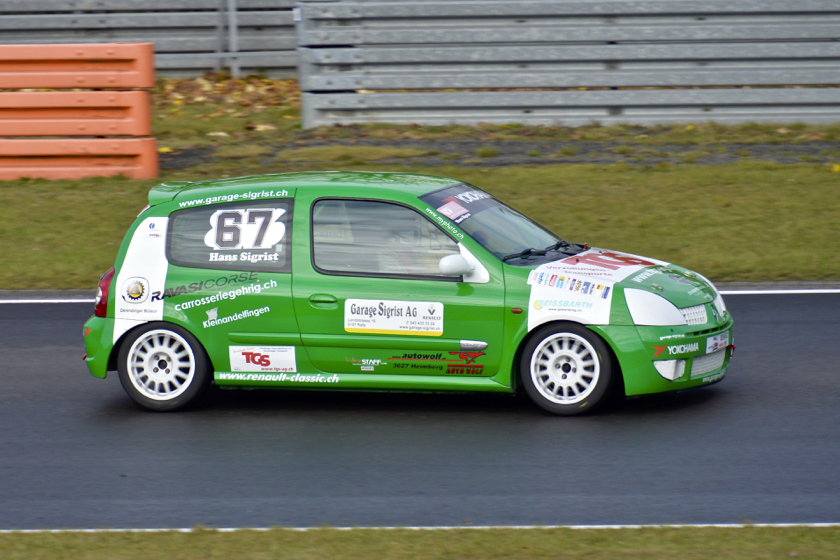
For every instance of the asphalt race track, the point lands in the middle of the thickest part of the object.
(763, 446)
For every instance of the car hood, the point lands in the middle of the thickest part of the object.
(597, 272)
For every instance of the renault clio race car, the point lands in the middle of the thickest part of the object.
(389, 282)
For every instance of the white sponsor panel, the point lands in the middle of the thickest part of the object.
(717, 342)
(423, 318)
(613, 266)
(263, 358)
(142, 272)
(553, 304)
(580, 288)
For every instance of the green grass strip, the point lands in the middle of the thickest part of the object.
(684, 543)
(747, 221)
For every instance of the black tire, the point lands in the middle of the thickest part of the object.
(163, 367)
(566, 368)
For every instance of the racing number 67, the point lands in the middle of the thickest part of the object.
(260, 230)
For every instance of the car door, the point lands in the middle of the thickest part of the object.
(370, 299)
(229, 283)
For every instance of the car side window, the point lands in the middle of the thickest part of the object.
(235, 236)
(371, 238)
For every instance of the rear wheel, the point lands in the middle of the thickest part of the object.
(163, 367)
(566, 368)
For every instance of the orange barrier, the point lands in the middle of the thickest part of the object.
(83, 113)
(78, 158)
(76, 113)
(106, 65)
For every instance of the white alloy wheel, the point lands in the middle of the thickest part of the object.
(161, 365)
(565, 368)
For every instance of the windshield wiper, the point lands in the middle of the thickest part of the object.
(561, 243)
(524, 253)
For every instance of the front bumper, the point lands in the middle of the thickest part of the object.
(660, 359)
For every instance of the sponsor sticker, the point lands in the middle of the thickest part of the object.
(420, 361)
(423, 318)
(249, 195)
(676, 349)
(213, 318)
(670, 336)
(212, 283)
(465, 364)
(135, 290)
(713, 378)
(644, 275)
(263, 358)
(580, 288)
(453, 363)
(277, 377)
(597, 264)
(256, 288)
(441, 221)
(366, 364)
(717, 342)
(452, 210)
(468, 197)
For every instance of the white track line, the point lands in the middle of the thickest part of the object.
(723, 292)
(776, 292)
(433, 528)
(47, 301)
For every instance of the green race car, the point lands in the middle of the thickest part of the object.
(389, 282)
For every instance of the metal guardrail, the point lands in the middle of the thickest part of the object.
(633, 61)
(190, 36)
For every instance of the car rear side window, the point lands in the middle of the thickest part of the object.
(235, 236)
(372, 238)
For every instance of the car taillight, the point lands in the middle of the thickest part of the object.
(101, 309)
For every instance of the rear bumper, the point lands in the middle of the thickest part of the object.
(98, 334)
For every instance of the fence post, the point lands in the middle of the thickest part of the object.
(233, 38)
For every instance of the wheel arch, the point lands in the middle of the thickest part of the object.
(113, 357)
(516, 381)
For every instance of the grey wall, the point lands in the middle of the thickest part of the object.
(188, 34)
(635, 61)
(578, 61)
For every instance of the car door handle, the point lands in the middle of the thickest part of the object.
(322, 298)
(323, 301)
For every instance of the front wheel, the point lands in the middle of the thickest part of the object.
(566, 368)
(163, 367)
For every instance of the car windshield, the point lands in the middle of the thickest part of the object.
(500, 229)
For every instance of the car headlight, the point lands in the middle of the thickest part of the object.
(652, 310)
(719, 305)
(718, 302)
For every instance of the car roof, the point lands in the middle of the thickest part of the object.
(410, 183)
